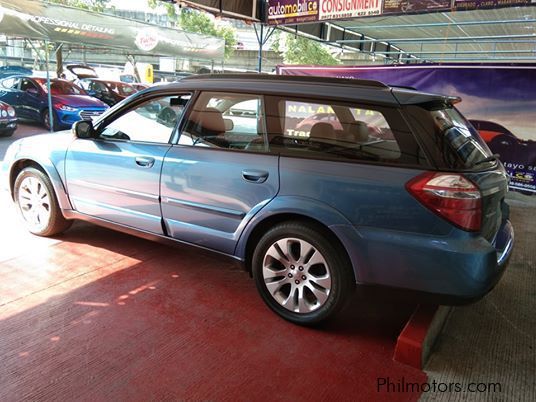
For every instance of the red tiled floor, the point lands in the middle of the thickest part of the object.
(102, 316)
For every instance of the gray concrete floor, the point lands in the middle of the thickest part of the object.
(494, 340)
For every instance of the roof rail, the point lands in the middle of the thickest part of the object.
(293, 78)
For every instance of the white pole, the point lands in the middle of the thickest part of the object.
(50, 111)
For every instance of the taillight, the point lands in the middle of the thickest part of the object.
(450, 196)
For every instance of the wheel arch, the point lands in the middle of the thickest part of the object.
(49, 170)
(266, 219)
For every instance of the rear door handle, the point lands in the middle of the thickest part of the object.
(255, 176)
(145, 161)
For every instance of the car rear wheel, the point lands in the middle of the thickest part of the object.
(37, 203)
(301, 275)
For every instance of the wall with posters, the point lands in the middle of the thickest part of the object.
(499, 99)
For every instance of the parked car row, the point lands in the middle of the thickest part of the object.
(83, 96)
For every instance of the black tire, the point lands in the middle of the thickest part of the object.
(7, 133)
(337, 266)
(56, 223)
(45, 117)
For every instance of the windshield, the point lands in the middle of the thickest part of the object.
(120, 88)
(61, 87)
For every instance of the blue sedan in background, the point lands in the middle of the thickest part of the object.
(29, 97)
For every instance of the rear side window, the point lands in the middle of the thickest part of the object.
(332, 130)
(449, 137)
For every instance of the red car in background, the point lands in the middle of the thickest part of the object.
(110, 92)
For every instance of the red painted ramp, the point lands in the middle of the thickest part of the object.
(105, 316)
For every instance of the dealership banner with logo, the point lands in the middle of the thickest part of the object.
(290, 12)
(500, 101)
(38, 20)
(283, 12)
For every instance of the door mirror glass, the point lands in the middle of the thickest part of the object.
(229, 124)
(83, 129)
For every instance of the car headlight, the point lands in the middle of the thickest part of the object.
(67, 108)
(11, 111)
(4, 113)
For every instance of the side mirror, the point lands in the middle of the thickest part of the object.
(83, 129)
(229, 124)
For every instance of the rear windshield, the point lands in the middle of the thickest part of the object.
(454, 142)
(61, 87)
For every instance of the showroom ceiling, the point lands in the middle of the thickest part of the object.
(505, 35)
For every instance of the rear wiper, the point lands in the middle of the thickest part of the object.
(490, 158)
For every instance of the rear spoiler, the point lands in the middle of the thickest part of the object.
(406, 96)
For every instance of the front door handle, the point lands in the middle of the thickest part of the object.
(255, 176)
(145, 161)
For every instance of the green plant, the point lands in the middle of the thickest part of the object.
(300, 50)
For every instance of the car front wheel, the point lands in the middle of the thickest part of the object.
(37, 203)
(45, 117)
(301, 274)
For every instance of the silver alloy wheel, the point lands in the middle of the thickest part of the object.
(34, 203)
(296, 275)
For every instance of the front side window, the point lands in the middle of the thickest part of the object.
(228, 121)
(26, 85)
(151, 121)
(333, 130)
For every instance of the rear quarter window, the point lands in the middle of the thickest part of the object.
(449, 138)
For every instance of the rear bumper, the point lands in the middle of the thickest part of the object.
(457, 268)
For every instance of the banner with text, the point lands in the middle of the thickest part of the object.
(43, 21)
(290, 12)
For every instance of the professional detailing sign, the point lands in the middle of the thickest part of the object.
(44, 21)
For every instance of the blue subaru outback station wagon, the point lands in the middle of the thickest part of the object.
(379, 186)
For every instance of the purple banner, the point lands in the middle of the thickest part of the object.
(500, 101)
(415, 6)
